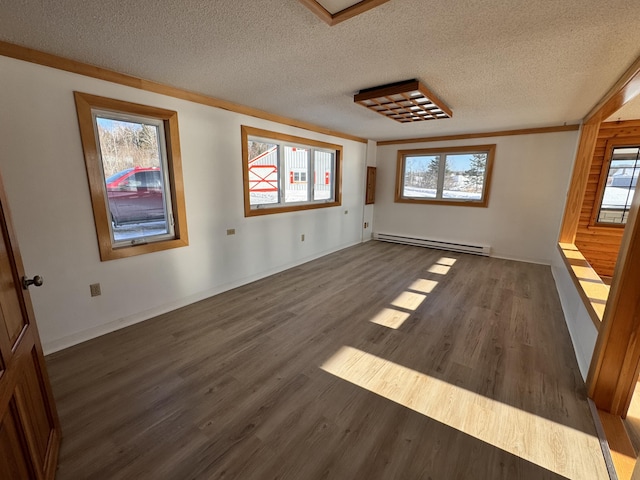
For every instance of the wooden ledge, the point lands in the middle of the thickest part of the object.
(623, 454)
(593, 291)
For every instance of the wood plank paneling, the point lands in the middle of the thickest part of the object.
(297, 377)
(599, 245)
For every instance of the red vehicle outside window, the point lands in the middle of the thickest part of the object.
(136, 195)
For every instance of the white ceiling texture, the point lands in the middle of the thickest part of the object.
(498, 64)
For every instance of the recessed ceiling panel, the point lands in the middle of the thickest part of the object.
(335, 6)
(335, 11)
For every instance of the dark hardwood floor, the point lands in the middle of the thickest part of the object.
(380, 361)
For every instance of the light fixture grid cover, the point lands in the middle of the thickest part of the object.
(404, 102)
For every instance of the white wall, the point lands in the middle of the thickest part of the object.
(42, 163)
(530, 175)
(581, 328)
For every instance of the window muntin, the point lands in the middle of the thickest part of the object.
(453, 176)
(287, 173)
(133, 165)
(299, 177)
(618, 185)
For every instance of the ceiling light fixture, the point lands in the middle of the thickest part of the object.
(401, 102)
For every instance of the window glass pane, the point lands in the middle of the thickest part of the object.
(621, 185)
(464, 176)
(133, 165)
(282, 173)
(263, 173)
(323, 167)
(421, 176)
(296, 164)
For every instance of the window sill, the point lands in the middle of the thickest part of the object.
(593, 291)
(606, 228)
(456, 203)
(253, 212)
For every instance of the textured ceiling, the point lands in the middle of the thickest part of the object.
(500, 64)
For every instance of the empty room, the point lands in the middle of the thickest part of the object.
(319, 239)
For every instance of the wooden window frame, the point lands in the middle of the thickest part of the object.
(602, 181)
(490, 150)
(85, 104)
(247, 132)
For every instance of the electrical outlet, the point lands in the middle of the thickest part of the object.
(366, 224)
(302, 237)
(95, 289)
(231, 231)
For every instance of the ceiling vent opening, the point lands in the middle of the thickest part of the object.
(405, 102)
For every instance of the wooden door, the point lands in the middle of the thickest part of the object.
(29, 426)
(370, 196)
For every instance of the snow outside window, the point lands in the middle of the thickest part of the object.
(453, 176)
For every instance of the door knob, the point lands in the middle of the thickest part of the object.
(27, 282)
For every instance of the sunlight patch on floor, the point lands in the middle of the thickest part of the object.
(551, 445)
(424, 286)
(390, 318)
(408, 300)
(446, 261)
(439, 269)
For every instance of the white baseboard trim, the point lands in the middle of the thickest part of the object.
(537, 261)
(67, 341)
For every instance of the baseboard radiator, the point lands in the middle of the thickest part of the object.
(439, 244)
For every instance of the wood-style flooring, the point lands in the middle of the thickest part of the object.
(380, 361)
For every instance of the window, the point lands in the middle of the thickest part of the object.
(450, 176)
(299, 177)
(617, 185)
(283, 173)
(132, 155)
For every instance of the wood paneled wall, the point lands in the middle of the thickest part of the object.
(600, 245)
